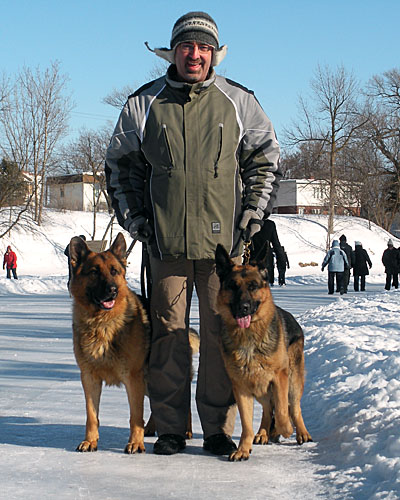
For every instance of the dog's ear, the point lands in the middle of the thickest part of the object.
(78, 251)
(118, 248)
(223, 262)
(262, 268)
(260, 260)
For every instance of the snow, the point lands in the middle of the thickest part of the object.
(351, 402)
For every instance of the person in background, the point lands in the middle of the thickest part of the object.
(265, 244)
(270, 262)
(66, 252)
(10, 263)
(336, 260)
(361, 263)
(193, 162)
(391, 261)
(350, 258)
(282, 269)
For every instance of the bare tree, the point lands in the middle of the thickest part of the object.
(87, 154)
(331, 121)
(118, 97)
(33, 118)
(383, 129)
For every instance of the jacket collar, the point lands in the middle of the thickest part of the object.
(171, 78)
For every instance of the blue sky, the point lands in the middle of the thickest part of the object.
(274, 47)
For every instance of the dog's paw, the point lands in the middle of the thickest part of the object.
(261, 437)
(132, 448)
(285, 429)
(240, 454)
(274, 436)
(303, 438)
(87, 446)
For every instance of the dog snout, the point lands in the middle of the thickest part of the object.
(245, 308)
(112, 291)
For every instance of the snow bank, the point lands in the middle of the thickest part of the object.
(353, 392)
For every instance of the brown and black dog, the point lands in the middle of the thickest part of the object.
(111, 335)
(262, 347)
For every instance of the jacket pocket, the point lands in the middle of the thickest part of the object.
(170, 166)
(219, 150)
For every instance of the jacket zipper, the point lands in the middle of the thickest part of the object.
(171, 161)
(221, 126)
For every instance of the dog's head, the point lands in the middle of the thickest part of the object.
(97, 278)
(244, 289)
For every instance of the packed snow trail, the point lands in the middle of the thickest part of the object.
(43, 416)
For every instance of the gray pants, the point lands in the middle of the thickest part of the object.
(170, 361)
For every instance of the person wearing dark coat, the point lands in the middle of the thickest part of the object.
(282, 269)
(391, 261)
(361, 263)
(264, 245)
(350, 258)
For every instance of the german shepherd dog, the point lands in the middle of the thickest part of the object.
(262, 346)
(111, 335)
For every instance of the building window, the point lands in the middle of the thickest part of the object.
(61, 192)
(316, 211)
(301, 211)
(318, 192)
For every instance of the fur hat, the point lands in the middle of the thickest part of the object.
(390, 243)
(193, 27)
(358, 244)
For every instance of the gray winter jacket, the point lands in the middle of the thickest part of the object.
(191, 158)
(335, 259)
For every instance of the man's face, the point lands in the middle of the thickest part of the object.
(193, 61)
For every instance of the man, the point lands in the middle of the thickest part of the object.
(10, 262)
(193, 162)
(350, 258)
(391, 261)
(336, 260)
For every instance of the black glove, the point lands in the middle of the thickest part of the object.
(140, 229)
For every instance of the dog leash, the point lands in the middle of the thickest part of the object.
(246, 252)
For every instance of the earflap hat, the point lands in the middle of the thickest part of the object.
(193, 27)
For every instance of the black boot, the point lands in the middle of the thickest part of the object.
(219, 444)
(169, 444)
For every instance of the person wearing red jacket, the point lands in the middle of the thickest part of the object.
(10, 260)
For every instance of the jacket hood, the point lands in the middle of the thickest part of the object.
(335, 243)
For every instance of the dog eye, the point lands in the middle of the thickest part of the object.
(93, 272)
(252, 286)
(113, 271)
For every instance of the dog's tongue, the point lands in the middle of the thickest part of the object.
(244, 322)
(109, 304)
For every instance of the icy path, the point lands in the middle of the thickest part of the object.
(42, 420)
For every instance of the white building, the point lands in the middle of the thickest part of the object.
(74, 192)
(310, 196)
